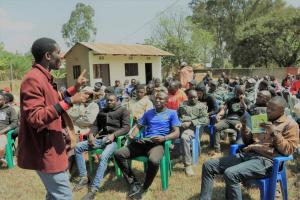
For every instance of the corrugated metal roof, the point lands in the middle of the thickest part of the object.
(122, 49)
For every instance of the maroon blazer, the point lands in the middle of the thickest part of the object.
(41, 144)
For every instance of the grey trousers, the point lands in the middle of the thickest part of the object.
(185, 145)
(235, 169)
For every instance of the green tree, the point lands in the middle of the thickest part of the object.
(80, 27)
(172, 34)
(203, 44)
(20, 63)
(272, 39)
(222, 18)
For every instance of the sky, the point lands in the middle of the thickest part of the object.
(117, 21)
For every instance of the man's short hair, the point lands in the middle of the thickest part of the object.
(42, 46)
(109, 90)
(139, 87)
(9, 97)
(164, 94)
(278, 100)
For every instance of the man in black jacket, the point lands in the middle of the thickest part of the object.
(111, 122)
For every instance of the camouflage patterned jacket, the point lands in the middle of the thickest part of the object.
(197, 114)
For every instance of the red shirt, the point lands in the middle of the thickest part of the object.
(175, 100)
(295, 87)
(41, 145)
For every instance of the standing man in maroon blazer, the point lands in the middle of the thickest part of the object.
(42, 143)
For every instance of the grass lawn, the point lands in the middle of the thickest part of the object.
(19, 184)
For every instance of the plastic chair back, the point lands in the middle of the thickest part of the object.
(267, 186)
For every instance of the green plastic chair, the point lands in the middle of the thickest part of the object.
(164, 165)
(91, 153)
(9, 150)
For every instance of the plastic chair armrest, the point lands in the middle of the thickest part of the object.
(235, 147)
(283, 158)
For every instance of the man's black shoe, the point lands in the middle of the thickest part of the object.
(90, 195)
(140, 194)
(83, 181)
(134, 189)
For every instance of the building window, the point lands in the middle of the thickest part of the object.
(76, 71)
(131, 69)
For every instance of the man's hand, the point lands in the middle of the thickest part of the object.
(158, 139)
(253, 147)
(80, 97)
(218, 117)
(91, 139)
(81, 80)
(111, 137)
(269, 127)
(242, 98)
(238, 126)
(186, 124)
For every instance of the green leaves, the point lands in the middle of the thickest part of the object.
(80, 27)
(20, 64)
(273, 39)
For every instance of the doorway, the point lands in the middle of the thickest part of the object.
(148, 72)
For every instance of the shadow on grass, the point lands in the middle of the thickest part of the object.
(294, 166)
(219, 194)
(119, 184)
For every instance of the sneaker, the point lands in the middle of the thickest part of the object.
(90, 195)
(3, 163)
(176, 160)
(189, 171)
(83, 181)
(134, 189)
(297, 184)
(140, 194)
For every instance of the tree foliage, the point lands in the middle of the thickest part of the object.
(270, 39)
(20, 64)
(174, 33)
(223, 19)
(80, 27)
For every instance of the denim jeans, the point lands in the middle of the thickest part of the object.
(235, 169)
(57, 185)
(106, 154)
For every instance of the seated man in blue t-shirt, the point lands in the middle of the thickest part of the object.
(159, 124)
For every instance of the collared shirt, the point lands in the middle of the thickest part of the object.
(197, 114)
(159, 124)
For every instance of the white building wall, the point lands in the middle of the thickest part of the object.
(78, 56)
(117, 66)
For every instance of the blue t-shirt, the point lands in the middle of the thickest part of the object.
(159, 124)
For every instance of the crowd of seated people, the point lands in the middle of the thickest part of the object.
(8, 121)
(164, 111)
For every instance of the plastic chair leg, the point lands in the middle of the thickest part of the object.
(211, 136)
(284, 186)
(263, 191)
(91, 162)
(195, 151)
(117, 169)
(9, 156)
(164, 173)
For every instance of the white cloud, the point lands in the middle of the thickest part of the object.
(8, 24)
